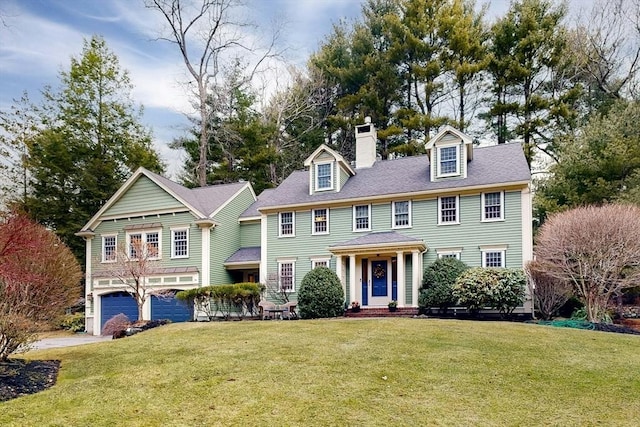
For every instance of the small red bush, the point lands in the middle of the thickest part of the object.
(117, 323)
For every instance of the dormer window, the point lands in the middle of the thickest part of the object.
(449, 161)
(324, 176)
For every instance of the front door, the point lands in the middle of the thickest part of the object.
(379, 279)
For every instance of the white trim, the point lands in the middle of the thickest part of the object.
(358, 230)
(173, 242)
(293, 224)
(230, 199)
(483, 217)
(144, 232)
(439, 149)
(281, 262)
(442, 252)
(313, 222)
(457, 220)
(115, 253)
(205, 259)
(331, 176)
(315, 260)
(393, 215)
(527, 226)
(125, 187)
(486, 249)
(263, 246)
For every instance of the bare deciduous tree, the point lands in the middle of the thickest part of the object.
(132, 265)
(608, 46)
(207, 34)
(596, 249)
(549, 293)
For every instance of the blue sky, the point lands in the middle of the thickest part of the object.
(39, 37)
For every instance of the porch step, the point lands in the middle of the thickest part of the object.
(383, 312)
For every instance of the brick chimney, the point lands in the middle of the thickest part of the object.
(366, 139)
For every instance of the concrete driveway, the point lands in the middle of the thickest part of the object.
(69, 341)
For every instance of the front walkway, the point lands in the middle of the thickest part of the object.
(68, 341)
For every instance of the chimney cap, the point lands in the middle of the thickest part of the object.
(367, 119)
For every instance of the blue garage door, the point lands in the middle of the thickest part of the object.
(168, 307)
(116, 303)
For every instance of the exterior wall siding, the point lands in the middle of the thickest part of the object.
(249, 234)
(183, 219)
(143, 196)
(225, 236)
(469, 234)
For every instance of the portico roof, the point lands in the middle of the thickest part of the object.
(378, 242)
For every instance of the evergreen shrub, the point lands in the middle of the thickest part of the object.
(320, 294)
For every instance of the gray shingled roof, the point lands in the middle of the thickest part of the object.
(252, 211)
(205, 199)
(244, 255)
(499, 164)
(378, 238)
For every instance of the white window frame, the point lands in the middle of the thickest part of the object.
(317, 180)
(490, 249)
(320, 260)
(457, 151)
(144, 234)
(281, 263)
(173, 242)
(293, 224)
(483, 205)
(449, 252)
(394, 222)
(314, 222)
(440, 219)
(115, 248)
(357, 230)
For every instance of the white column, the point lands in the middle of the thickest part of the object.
(400, 273)
(90, 303)
(352, 278)
(340, 273)
(206, 256)
(263, 249)
(416, 266)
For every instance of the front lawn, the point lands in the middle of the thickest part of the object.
(342, 372)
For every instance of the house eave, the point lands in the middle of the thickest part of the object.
(413, 195)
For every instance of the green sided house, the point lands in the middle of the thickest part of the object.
(378, 223)
(375, 223)
(193, 232)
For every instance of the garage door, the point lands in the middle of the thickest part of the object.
(116, 303)
(168, 307)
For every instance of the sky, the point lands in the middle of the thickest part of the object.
(39, 37)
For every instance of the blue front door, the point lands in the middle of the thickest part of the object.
(379, 278)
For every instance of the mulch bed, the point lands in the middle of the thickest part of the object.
(19, 377)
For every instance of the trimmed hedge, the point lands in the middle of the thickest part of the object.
(498, 288)
(224, 300)
(320, 294)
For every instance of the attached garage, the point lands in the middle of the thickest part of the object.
(116, 303)
(168, 307)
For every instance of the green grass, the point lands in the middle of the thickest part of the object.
(342, 372)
